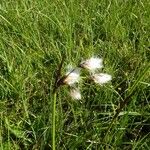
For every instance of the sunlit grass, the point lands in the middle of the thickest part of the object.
(35, 35)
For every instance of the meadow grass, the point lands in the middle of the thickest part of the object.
(35, 35)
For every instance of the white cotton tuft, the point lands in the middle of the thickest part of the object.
(72, 76)
(75, 94)
(92, 64)
(101, 78)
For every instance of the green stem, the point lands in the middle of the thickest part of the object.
(54, 121)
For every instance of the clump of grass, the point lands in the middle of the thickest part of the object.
(34, 38)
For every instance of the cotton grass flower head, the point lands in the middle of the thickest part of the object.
(92, 64)
(72, 76)
(75, 93)
(101, 78)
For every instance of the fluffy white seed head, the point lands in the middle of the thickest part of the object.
(101, 78)
(92, 64)
(75, 94)
(72, 76)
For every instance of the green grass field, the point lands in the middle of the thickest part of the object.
(35, 35)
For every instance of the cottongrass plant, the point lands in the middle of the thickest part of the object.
(72, 79)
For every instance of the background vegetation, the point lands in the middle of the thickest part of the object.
(34, 35)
